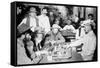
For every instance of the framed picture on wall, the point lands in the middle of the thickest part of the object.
(49, 33)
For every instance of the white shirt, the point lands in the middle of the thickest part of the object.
(88, 21)
(32, 22)
(44, 23)
(89, 44)
(69, 27)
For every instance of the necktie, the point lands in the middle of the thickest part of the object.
(79, 31)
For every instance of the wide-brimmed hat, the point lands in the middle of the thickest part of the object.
(32, 10)
(86, 22)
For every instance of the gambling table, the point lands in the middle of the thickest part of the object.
(75, 57)
(70, 56)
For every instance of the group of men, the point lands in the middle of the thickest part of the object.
(41, 25)
(33, 21)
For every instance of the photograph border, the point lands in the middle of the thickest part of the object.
(14, 29)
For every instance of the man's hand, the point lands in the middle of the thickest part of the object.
(69, 46)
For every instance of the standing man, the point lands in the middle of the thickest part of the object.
(51, 17)
(89, 43)
(44, 20)
(30, 21)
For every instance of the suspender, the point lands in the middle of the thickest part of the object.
(28, 21)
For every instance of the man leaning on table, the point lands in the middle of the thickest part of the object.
(54, 35)
(88, 41)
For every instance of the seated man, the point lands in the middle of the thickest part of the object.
(89, 43)
(69, 26)
(54, 36)
(57, 23)
(22, 58)
(29, 46)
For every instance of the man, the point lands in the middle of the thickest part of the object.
(30, 20)
(55, 36)
(22, 57)
(29, 46)
(44, 21)
(90, 21)
(69, 26)
(51, 17)
(89, 43)
(76, 19)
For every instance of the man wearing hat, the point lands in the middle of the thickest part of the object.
(29, 22)
(44, 20)
(54, 35)
(88, 41)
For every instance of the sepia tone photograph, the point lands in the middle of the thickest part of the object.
(55, 33)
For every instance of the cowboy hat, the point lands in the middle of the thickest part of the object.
(32, 10)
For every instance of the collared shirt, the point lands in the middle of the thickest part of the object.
(44, 23)
(32, 22)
